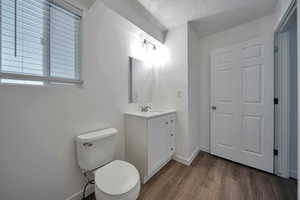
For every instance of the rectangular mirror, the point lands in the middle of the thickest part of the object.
(140, 81)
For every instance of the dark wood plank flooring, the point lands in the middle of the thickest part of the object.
(213, 178)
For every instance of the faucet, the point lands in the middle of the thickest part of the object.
(145, 108)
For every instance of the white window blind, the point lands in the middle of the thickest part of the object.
(40, 41)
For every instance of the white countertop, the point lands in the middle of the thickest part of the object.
(151, 113)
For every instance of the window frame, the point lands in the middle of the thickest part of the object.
(46, 78)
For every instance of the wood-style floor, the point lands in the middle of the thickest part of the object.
(213, 178)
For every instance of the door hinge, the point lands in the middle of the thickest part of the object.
(275, 152)
(276, 101)
(275, 49)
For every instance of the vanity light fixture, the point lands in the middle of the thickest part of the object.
(153, 54)
(147, 44)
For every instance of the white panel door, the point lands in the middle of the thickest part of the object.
(242, 103)
(224, 98)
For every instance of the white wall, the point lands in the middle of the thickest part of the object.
(38, 125)
(263, 26)
(193, 90)
(172, 85)
(177, 86)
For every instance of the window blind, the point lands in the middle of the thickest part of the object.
(40, 41)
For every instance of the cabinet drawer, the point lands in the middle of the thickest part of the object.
(172, 137)
(172, 133)
(172, 144)
(172, 118)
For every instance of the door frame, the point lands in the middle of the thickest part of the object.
(281, 92)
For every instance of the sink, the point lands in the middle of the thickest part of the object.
(150, 113)
(156, 111)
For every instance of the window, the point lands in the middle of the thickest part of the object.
(40, 42)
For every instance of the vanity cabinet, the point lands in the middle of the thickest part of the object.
(150, 142)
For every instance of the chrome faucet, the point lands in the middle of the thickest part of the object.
(145, 108)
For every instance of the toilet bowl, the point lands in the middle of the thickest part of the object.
(114, 179)
(117, 180)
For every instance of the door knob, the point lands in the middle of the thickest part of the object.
(214, 107)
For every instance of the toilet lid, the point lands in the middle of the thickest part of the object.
(117, 177)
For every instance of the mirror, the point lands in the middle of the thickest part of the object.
(140, 81)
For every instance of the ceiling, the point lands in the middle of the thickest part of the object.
(156, 17)
(223, 13)
(231, 18)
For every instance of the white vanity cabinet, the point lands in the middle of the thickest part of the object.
(150, 141)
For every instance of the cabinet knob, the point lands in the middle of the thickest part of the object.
(172, 149)
(172, 134)
(166, 122)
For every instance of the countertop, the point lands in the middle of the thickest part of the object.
(151, 113)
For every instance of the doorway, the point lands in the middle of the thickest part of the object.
(285, 82)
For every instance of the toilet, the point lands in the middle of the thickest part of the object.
(114, 179)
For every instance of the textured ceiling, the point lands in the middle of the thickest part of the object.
(231, 18)
(176, 12)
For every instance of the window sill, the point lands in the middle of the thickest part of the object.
(47, 81)
(67, 86)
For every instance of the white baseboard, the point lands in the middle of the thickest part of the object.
(187, 161)
(78, 195)
(205, 149)
(293, 174)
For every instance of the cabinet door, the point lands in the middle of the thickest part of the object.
(158, 142)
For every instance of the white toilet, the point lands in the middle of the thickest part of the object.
(114, 180)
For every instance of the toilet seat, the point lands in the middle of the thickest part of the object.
(117, 180)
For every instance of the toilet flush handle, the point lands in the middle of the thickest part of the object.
(87, 144)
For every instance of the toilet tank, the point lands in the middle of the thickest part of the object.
(96, 149)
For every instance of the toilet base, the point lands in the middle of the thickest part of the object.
(130, 195)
